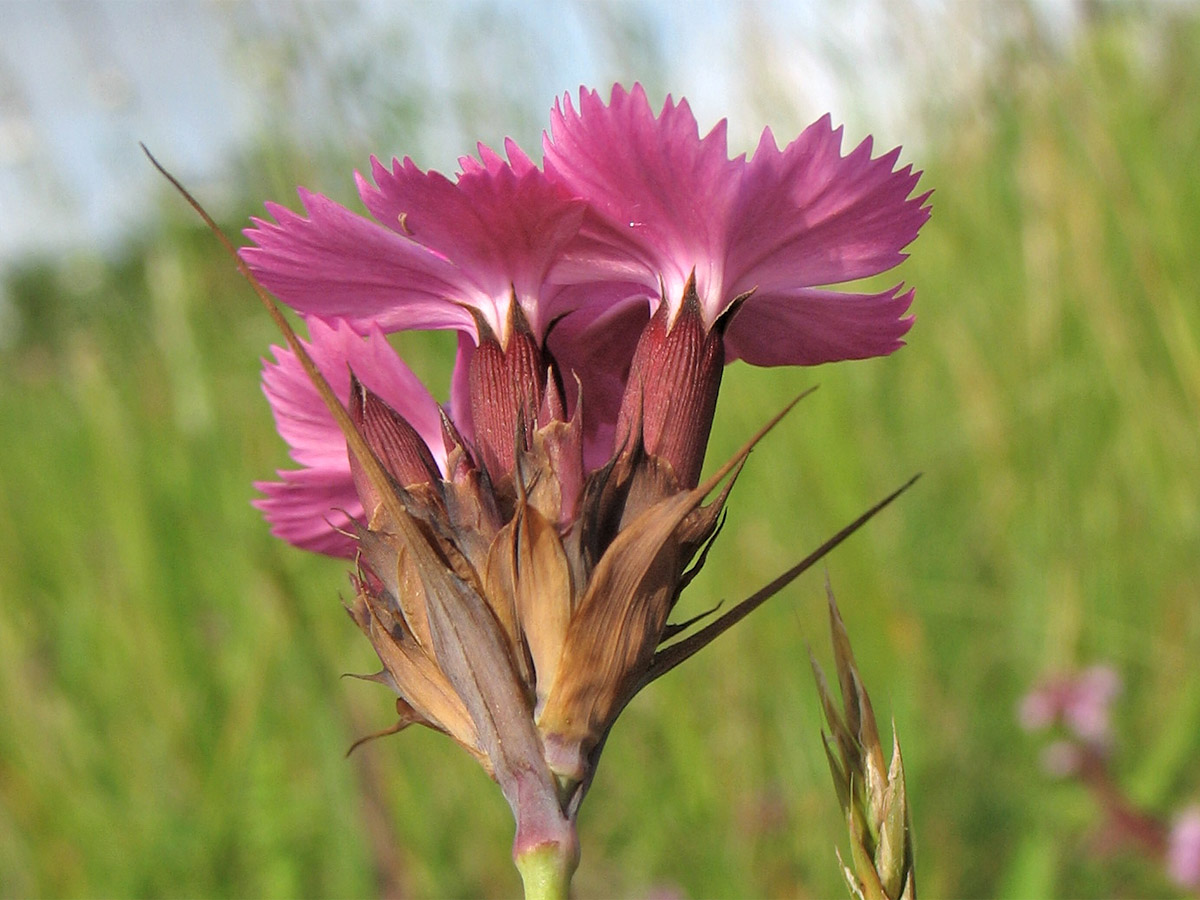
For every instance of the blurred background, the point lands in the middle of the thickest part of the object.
(172, 720)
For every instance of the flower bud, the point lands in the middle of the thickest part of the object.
(403, 452)
(506, 386)
(672, 386)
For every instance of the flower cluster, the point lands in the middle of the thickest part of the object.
(519, 550)
(1081, 703)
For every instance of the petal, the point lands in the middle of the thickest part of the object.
(459, 407)
(808, 216)
(335, 264)
(594, 348)
(601, 268)
(807, 326)
(312, 509)
(299, 507)
(668, 190)
(502, 224)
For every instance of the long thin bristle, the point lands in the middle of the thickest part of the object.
(371, 465)
(671, 656)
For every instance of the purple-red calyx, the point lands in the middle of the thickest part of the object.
(671, 391)
(519, 550)
(507, 382)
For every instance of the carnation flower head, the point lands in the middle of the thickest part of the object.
(519, 551)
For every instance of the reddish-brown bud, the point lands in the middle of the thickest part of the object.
(506, 386)
(403, 452)
(672, 388)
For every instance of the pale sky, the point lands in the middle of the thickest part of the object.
(82, 82)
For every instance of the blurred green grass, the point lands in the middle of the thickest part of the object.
(174, 723)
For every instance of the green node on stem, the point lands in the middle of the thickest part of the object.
(546, 872)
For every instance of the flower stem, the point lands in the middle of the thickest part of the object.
(546, 871)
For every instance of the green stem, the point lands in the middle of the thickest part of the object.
(546, 871)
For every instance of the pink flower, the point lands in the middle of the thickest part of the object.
(778, 227)
(313, 507)
(1183, 849)
(472, 255)
(519, 557)
(740, 251)
(1080, 701)
(549, 278)
(442, 254)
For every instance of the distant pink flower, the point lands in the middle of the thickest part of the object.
(312, 507)
(1079, 701)
(1183, 849)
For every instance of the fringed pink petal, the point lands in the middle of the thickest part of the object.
(667, 189)
(808, 326)
(808, 216)
(332, 263)
(791, 219)
(312, 509)
(502, 224)
(491, 161)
